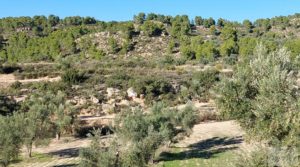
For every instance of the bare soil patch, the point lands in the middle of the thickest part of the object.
(8, 79)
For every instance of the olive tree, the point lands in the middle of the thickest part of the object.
(62, 113)
(138, 135)
(97, 155)
(263, 97)
(10, 140)
(45, 114)
(37, 121)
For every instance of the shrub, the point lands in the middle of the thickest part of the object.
(187, 52)
(7, 106)
(16, 85)
(151, 87)
(201, 83)
(73, 76)
(97, 155)
(118, 80)
(265, 157)
(113, 44)
(7, 69)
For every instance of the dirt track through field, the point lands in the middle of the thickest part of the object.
(8, 79)
(227, 130)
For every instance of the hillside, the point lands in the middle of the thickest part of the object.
(154, 91)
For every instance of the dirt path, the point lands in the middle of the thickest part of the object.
(211, 144)
(227, 130)
(7, 79)
(64, 152)
(64, 147)
(35, 64)
(190, 68)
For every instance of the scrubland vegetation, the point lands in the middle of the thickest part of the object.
(134, 88)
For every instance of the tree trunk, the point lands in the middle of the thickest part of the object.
(117, 159)
(29, 150)
(4, 163)
(58, 136)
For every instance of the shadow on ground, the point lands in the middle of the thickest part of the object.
(69, 165)
(66, 153)
(204, 149)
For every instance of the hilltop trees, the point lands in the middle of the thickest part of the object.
(209, 22)
(180, 26)
(248, 25)
(264, 24)
(221, 22)
(228, 32)
(151, 28)
(199, 20)
(140, 18)
(53, 20)
(22, 47)
(42, 38)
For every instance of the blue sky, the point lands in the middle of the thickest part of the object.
(119, 10)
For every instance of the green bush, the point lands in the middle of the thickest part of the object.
(151, 87)
(187, 52)
(151, 28)
(266, 157)
(73, 76)
(97, 155)
(113, 44)
(118, 80)
(200, 84)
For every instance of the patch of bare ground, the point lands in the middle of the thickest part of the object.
(65, 147)
(210, 144)
(227, 133)
(63, 152)
(191, 68)
(7, 79)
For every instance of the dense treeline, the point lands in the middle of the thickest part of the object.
(49, 38)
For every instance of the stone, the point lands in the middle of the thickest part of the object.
(131, 93)
(94, 100)
(112, 91)
(108, 108)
